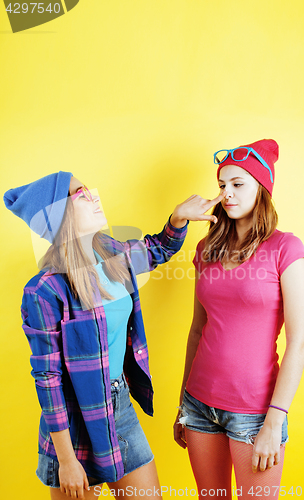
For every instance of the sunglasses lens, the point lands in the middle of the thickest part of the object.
(87, 193)
(240, 154)
(220, 156)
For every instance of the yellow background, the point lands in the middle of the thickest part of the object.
(133, 97)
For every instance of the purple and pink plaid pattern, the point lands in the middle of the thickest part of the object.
(70, 359)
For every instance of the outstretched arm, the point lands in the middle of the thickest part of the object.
(157, 249)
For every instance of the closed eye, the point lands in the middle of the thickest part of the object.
(222, 186)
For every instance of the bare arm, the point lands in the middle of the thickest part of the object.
(63, 445)
(199, 320)
(72, 476)
(267, 444)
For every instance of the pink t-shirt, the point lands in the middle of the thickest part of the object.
(236, 364)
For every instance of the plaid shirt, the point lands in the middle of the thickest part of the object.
(70, 357)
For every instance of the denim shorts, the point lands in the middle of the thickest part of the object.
(134, 447)
(243, 427)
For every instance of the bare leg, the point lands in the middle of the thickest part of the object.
(255, 485)
(142, 482)
(211, 463)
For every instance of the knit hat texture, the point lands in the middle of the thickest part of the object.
(268, 149)
(41, 204)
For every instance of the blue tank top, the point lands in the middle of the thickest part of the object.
(117, 313)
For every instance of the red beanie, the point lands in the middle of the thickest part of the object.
(268, 149)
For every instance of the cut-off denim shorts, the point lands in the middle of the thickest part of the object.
(244, 427)
(134, 447)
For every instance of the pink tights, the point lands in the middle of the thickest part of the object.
(212, 456)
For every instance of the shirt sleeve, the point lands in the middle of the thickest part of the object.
(41, 324)
(198, 258)
(157, 249)
(291, 249)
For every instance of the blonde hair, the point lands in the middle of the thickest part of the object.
(221, 240)
(66, 255)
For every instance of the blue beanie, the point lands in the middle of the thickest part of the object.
(41, 204)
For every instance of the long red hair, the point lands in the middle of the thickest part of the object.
(221, 241)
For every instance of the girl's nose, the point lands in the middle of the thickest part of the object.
(229, 194)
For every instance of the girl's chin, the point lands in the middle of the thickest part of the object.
(247, 217)
(101, 222)
(231, 215)
(234, 217)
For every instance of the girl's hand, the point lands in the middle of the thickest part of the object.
(179, 433)
(194, 208)
(73, 479)
(266, 448)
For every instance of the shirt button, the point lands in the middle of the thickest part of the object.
(115, 384)
(131, 327)
(139, 352)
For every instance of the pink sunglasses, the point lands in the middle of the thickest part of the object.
(85, 192)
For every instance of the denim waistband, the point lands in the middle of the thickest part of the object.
(118, 383)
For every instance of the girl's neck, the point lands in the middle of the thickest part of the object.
(242, 226)
(87, 245)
